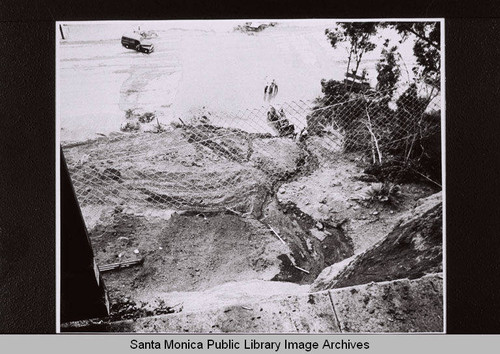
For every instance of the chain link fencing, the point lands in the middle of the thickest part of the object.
(230, 160)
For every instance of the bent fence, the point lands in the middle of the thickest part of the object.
(216, 160)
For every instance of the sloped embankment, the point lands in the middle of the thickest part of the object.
(194, 256)
(397, 306)
(394, 306)
(198, 204)
(411, 250)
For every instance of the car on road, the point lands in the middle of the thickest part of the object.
(135, 42)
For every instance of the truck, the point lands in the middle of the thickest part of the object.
(135, 42)
(358, 83)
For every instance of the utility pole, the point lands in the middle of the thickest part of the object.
(62, 32)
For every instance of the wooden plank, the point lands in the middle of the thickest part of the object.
(120, 265)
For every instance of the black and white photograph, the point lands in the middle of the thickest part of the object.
(251, 176)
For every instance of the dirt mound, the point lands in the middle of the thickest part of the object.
(202, 167)
(410, 250)
(185, 201)
(188, 253)
(213, 210)
(277, 156)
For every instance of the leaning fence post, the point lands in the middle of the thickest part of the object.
(368, 124)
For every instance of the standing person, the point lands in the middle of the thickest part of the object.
(266, 89)
(274, 88)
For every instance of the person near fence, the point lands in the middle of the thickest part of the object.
(279, 122)
(283, 121)
(285, 127)
(273, 118)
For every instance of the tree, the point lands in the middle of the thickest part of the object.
(427, 47)
(358, 35)
(388, 69)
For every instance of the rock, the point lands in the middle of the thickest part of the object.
(323, 201)
(340, 223)
(319, 226)
(421, 206)
(323, 209)
(318, 234)
(397, 306)
(410, 250)
(367, 178)
(309, 245)
(329, 273)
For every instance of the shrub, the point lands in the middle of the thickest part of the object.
(387, 192)
(130, 126)
(146, 117)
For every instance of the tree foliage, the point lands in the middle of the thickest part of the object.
(358, 35)
(427, 47)
(398, 134)
(388, 69)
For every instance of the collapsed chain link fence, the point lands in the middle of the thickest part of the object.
(217, 160)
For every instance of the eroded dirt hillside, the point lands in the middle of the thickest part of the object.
(411, 250)
(211, 211)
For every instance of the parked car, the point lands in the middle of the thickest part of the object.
(135, 42)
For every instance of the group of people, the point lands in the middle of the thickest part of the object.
(278, 120)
